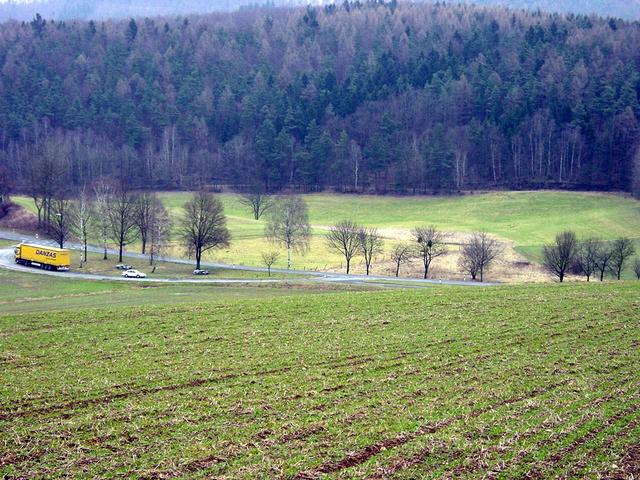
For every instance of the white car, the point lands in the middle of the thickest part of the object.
(131, 273)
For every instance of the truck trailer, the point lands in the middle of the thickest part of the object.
(47, 258)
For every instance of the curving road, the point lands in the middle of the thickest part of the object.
(7, 261)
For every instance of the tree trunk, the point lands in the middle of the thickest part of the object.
(120, 253)
(198, 257)
(289, 257)
(348, 265)
(397, 270)
(104, 241)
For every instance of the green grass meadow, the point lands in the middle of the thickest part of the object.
(502, 382)
(527, 218)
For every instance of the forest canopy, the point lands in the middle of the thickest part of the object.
(113, 9)
(405, 98)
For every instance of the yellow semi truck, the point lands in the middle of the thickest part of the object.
(47, 258)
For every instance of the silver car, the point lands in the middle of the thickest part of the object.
(131, 273)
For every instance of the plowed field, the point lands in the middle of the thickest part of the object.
(509, 382)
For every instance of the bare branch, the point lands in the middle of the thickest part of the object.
(269, 258)
(402, 253)
(344, 239)
(204, 225)
(288, 225)
(371, 244)
(479, 254)
(431, 245)
(622, 249)
(559, 256)
(258, 202)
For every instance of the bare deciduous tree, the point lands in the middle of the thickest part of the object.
(121, 213)
(60, 223)
(559, 256)
(204, 225)
(159, 232)
(288, 225)
(622, 249)
(269, 258)
(636, 268)
(400, 254)
(635, 178)
(146, 205)
(103, 191)
(259, 202)
(430, 245)
(5, 185)
(478, 254)
(604, 260)
(83, 219)
(371, 244)
(344, 239)
(45, 177)
(589, 252)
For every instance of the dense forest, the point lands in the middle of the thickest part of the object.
(114, 9)
(627, 9)
(404, 98)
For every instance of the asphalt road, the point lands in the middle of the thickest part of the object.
(7, 261)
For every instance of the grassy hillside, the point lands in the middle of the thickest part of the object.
(451, 382)
(525, 219)
(528, 218)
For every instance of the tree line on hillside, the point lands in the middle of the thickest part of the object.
(350, 240)
(589, 257)
(103, 9)
(605, 8)
(114, 213)
(360, 96)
